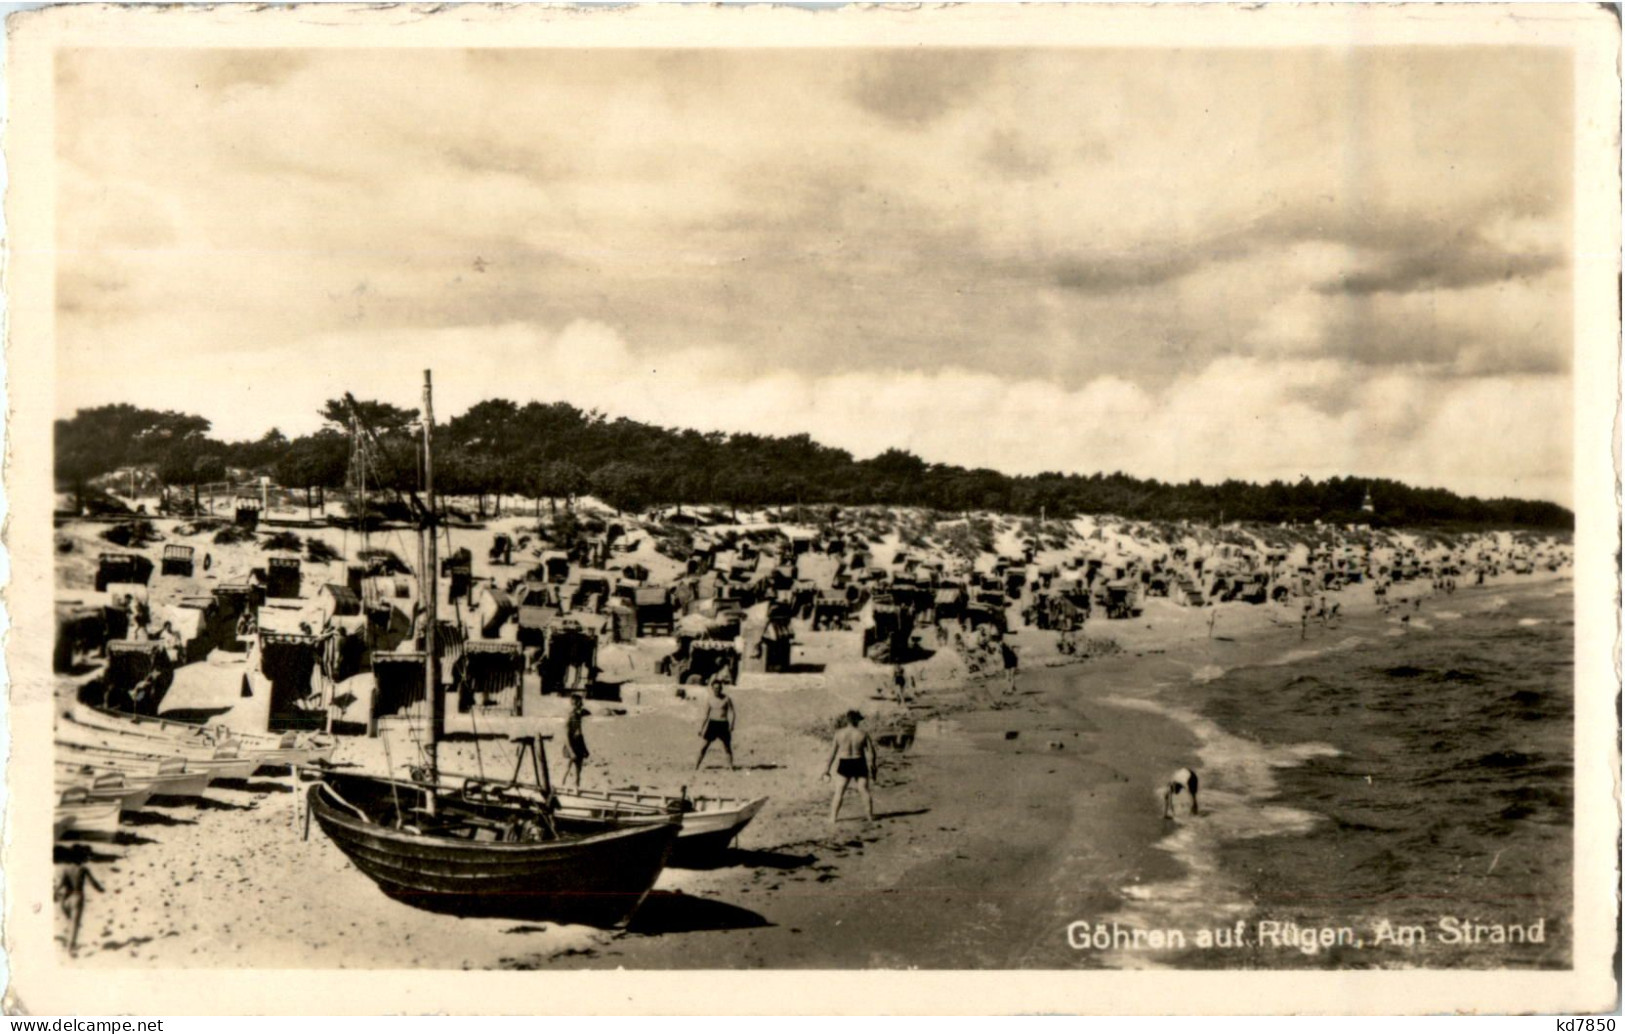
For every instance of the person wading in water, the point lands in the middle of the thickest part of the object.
(1182, 781)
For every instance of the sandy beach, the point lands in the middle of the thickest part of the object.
(1003, 815)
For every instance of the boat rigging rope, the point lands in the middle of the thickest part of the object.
(389, 764)
(473, 724)
(344, 803)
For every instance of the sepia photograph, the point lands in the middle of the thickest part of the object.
(940, 491)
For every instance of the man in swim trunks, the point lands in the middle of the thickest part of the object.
(719, 723)
(575, 743)
(854, 758)
(1180, 782)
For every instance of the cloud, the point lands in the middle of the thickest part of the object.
(1238, 417)
(916, 87)
(1008, 152)
(1462, 263)
(1043, 228)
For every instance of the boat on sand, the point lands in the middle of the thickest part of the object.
(707, 825)
(77, 814)
(478, 857)
(474, 851)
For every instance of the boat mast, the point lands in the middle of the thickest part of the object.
(431, 593)
(361, 478)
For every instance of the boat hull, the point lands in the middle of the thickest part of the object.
(706, 831)
(272, 750)
(220, 762)
(598, 880)
(90, 819)
(190, 784)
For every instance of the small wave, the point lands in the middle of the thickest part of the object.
(1207, 673)
(1298, 753)
(1447, 615)
(1354, 826)
(1503, 759)
(1236, 764)
(1309, 653)
(1531, 622)
(1411, 671)
(1297, 656)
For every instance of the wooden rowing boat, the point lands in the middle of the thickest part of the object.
(480, 858)
(168, 777)
(708, 824)
(221, 762)
(272, 750)
(140, 761)
(84, 817)
(130, 792)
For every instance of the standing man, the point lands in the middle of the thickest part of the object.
(899, 681)
(855, 760)
(575, 743)
(719, 723)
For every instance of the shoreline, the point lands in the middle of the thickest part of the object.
(985, 849)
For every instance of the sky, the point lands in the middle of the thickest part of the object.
(1174, 263)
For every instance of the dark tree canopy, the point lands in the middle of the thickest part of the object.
(556, 450)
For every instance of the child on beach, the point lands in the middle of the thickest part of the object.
(853, 756)
(575, 743)
(1182, 781)
(72, 876)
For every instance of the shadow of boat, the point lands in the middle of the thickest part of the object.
(672, 911)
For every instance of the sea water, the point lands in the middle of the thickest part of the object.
(1381, 800)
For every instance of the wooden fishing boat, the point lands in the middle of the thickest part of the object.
(140, 762)
(221, 762)
(169, 776)
(130, 793)
(289, 748)
(708, 824)
(472, 851)
(85, 817)
(479, 858)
